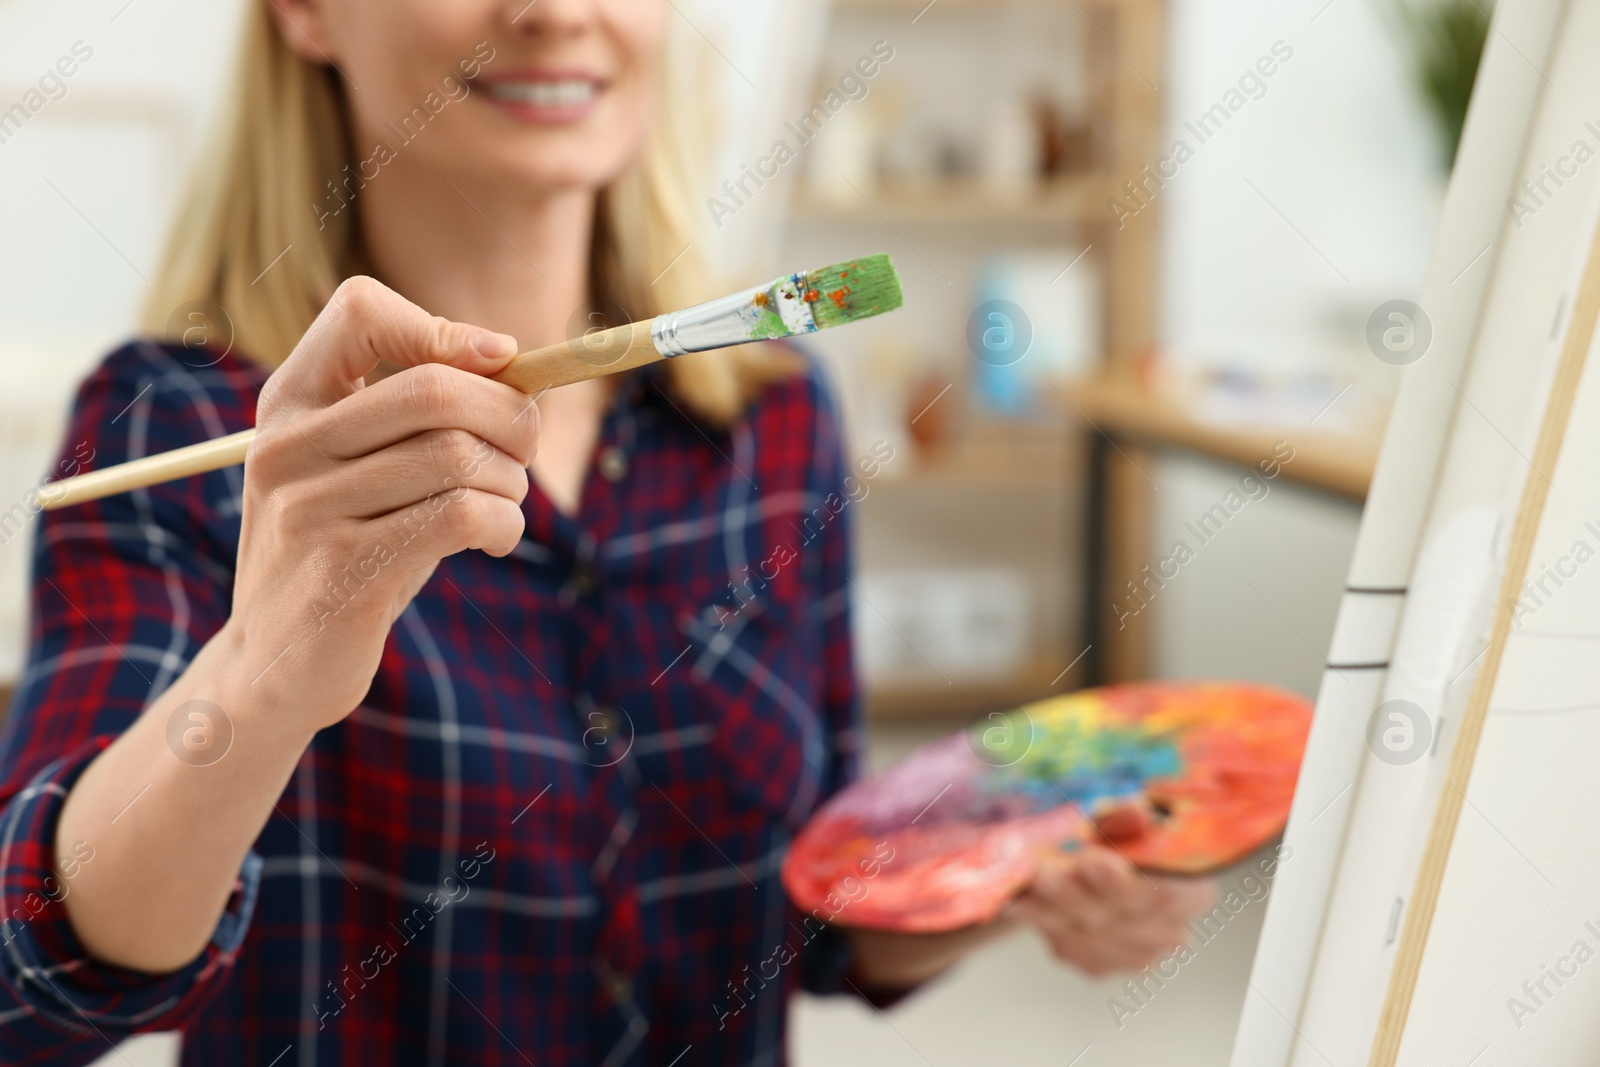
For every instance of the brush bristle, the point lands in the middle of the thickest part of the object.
(853, 290)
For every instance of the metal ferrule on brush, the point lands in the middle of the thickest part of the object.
(730, 320)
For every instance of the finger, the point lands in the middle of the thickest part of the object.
(1087, 888)
(1137, 943)
(1080, 955)
(1104, 874)
(1098, 957)
(1055, 882)
(1054, 869)
(1062, 907)
(1186, 898)
(439, 461)
(366, 322)
(430, 397)
(1158, 937)
(1125, 821)
(1114, 943)
(447, 523)
(1033, 912)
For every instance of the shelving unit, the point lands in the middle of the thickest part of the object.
(1129, 50)
(1031, 460)
(1073, 201)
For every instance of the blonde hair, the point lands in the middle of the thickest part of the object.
(284, 135)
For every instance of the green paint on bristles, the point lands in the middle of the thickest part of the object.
(853, 290)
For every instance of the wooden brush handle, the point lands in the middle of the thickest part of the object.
(592, 356)
(151, 470)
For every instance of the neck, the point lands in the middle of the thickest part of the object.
(518, 264)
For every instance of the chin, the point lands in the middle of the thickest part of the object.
(590, 154)
(556, 168)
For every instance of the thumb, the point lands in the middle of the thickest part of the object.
(1125, 820)
(367, 322)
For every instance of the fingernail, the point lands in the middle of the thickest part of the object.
(494, 345)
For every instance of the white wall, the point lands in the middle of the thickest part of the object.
(116, 175)
(1340, 146)
(1259, 598)
(87, 186)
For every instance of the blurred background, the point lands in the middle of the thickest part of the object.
(1141, 242)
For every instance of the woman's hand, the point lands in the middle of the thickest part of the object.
(1095, 909)
(353, 493)
(1101, 914)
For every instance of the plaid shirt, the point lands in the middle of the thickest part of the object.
(550, 834)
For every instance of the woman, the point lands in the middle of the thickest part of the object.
(293, 770)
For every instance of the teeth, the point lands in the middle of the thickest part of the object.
(546, 94)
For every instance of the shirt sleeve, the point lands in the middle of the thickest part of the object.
(827, 964)
(124, 593)
(841, 712)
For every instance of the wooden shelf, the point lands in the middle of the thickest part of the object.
(1068, 201)
(930, 696)
(989, 463)
(1338, 463)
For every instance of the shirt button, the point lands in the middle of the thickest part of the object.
(613, 464)
(580, 583)
(583, 579)
(601, 726)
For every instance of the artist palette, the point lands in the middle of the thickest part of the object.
(949, 835)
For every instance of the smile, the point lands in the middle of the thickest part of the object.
(564, 93)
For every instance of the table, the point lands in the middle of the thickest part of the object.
(1126, 424)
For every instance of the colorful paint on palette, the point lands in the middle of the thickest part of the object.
(968, 817)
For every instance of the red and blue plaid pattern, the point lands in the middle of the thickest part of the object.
(550, 834)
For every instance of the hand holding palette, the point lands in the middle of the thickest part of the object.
(964, 820)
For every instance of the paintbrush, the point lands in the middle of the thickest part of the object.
(791, 306)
